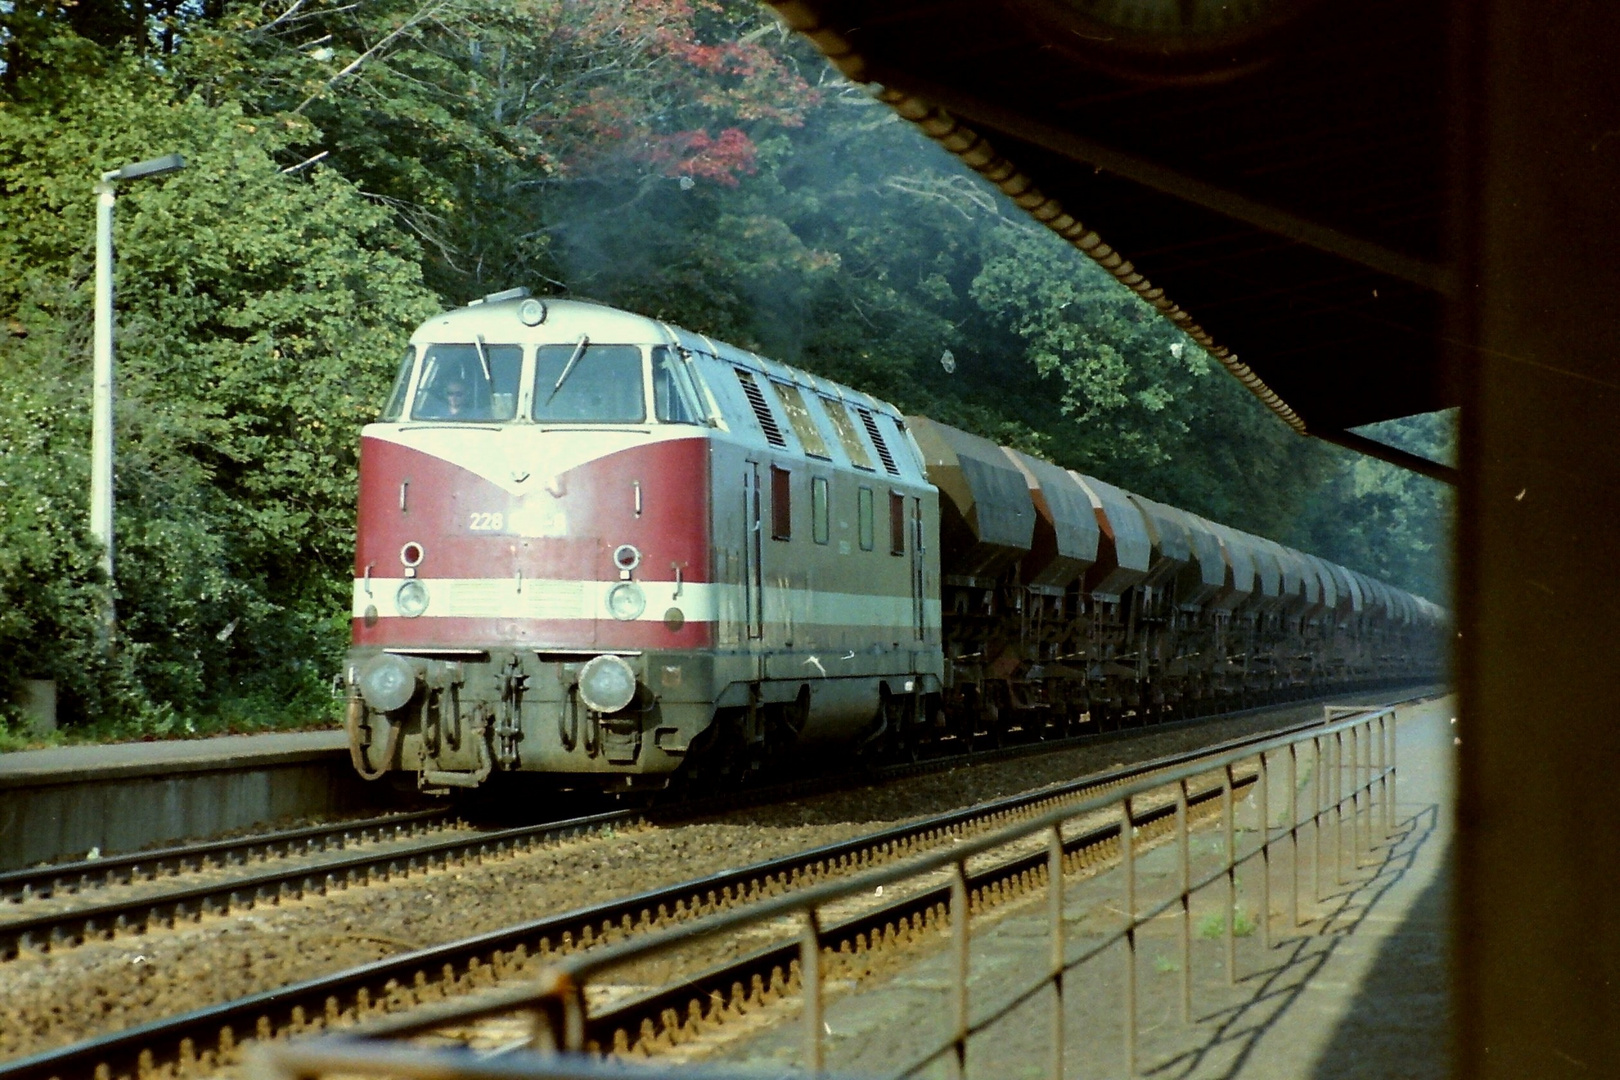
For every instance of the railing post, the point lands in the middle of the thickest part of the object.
(557, 1020)
(1355, 796)
(1184, 846)
(1127, 849)
(810, 983)
(1231, 876)
(959, 943)
(1383, 774)
(1337, 750)
(1394, 769)
(1293, 836)
(1054, 879)
(1394, 809)
(1364, 752)
(1367, 779)
(1319, 798)
(1265, 852)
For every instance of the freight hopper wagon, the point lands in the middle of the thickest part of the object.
(1068, 601)
(599, 547)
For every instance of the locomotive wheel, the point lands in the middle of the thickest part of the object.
(716, 760)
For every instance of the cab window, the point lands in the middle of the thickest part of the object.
(675, 398)
(585, 383)
(781, 503)
(474, 383)
(402, 384)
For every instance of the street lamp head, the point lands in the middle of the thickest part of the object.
(162, 166)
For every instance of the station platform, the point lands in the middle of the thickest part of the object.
(73, 764)
(64, 802)
(1367, 993)
(1357, 989)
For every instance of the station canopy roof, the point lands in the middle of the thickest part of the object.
(1270, 173)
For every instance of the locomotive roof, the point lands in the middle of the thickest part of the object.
(496, 318)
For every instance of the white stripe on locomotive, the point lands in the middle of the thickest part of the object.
(550, 598)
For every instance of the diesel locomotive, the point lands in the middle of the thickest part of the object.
(600, 547)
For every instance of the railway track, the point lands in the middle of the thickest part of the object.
(407, 981)
(57, 879)
(395, 847)
(648, 1022)
(96, 920)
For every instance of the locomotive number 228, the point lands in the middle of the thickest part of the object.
(485, 521)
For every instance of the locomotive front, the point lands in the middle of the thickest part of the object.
(531, 572)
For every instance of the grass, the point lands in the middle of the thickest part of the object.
(1164, 965)
(1213, 924)
(240, 716)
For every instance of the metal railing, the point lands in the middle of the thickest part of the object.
(1351, 774)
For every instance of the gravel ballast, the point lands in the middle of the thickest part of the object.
(51, 999)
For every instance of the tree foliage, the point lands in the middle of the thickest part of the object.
(354, 167)
(257, 315)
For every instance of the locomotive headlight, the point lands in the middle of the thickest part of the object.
(532, 312)
(387, 682)
(412, 598)
(607, 684)
(626, 601)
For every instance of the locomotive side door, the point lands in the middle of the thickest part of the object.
(918, 560)
(753, 580)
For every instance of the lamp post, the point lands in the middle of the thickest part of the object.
(101, 422)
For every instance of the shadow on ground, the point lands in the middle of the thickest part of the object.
(1397, 1024)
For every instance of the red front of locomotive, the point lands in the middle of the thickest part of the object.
(532, 573)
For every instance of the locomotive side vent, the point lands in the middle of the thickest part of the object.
(877, 441)
(762, 411)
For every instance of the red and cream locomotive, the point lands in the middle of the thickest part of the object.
(597, 546)
(586, 536)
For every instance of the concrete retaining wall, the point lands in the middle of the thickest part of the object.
(61, 803)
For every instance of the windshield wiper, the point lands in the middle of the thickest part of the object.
(568, 368)
(483, 358)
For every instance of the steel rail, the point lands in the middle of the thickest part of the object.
(771, 966)
(39, 882)
(486, 957)
(556, 998)
(61, 929)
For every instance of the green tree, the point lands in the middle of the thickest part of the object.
(354, 167)
(259, 313)
(462, 116)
